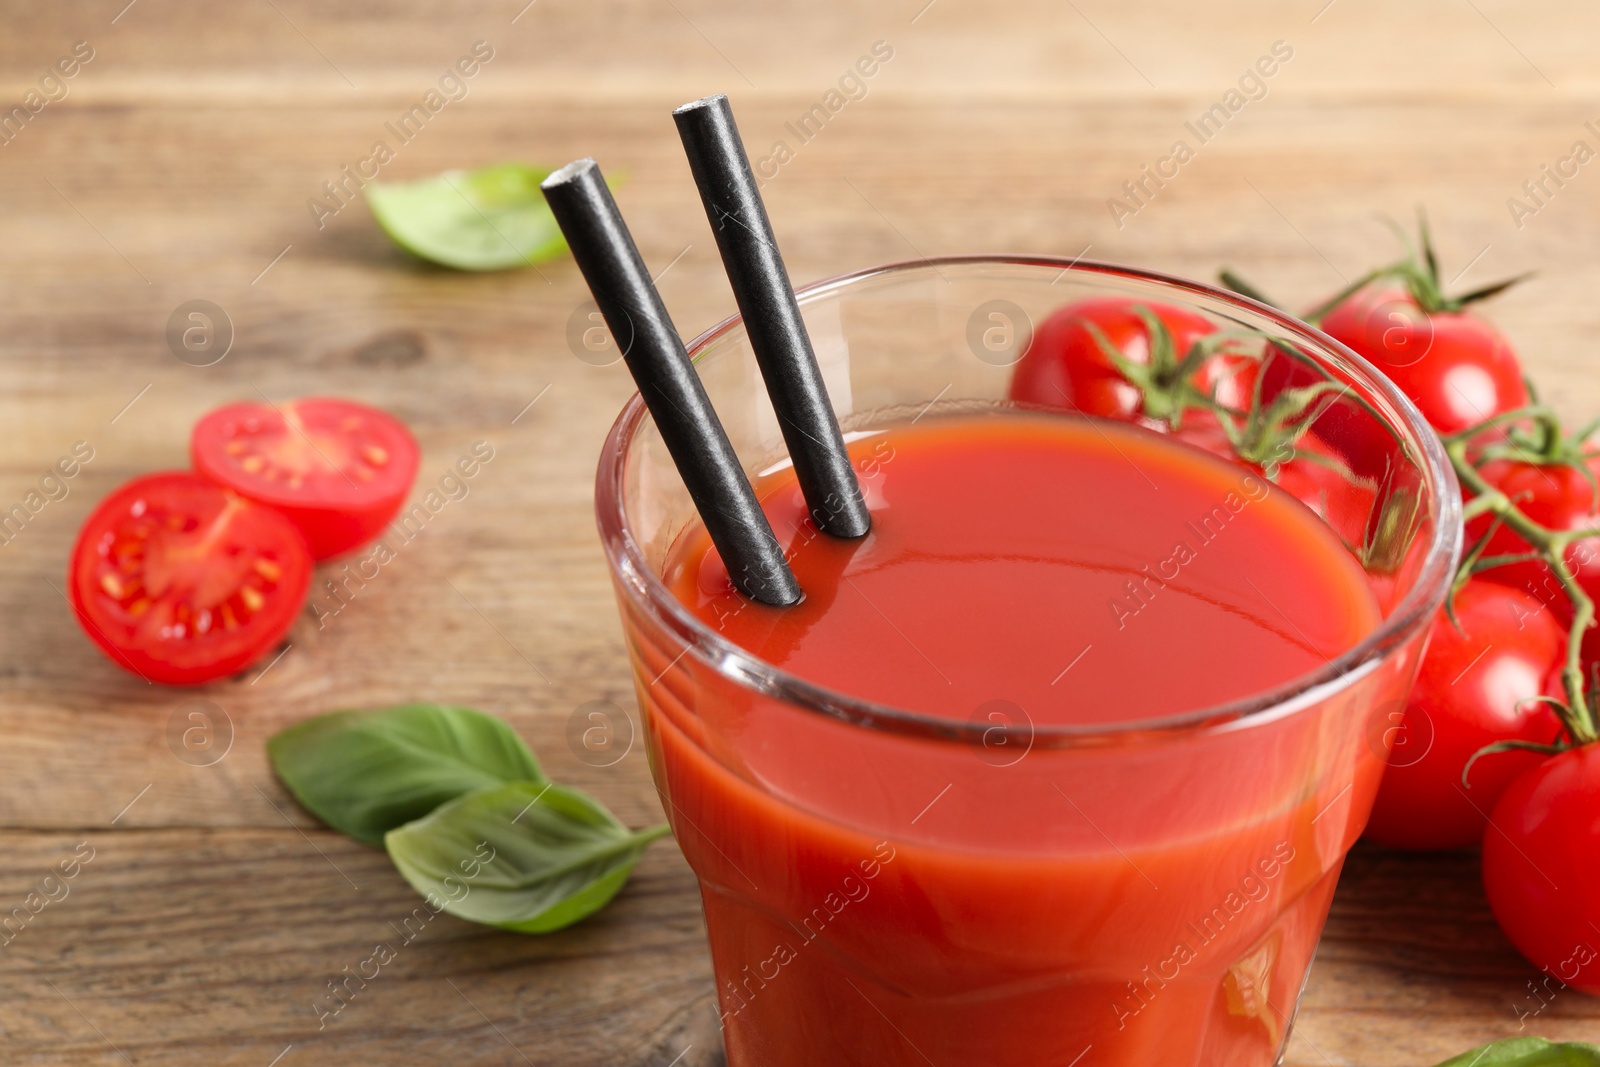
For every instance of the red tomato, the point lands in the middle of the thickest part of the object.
(1308, 470)
(182, 581)
(1539, 866)
(1591, 650)
(1065, 366)
(1454, 366)
(1365, 445)
(1473, 688)
(1314, 476)
(1554, 495)
(339, 470)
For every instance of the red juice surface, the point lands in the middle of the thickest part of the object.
(874, 899)
(1088, 572)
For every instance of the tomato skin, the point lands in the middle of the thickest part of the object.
(1312, 477)
(1064, 365)
(1539, 866)
(1473, 688)
(182, 581)
(1356, 436)
(309, 458)
(1455, 367)
(1310, 474)
(1557, 496)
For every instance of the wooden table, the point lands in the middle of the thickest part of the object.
(179, 166)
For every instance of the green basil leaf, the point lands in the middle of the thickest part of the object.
(366, 772)
(1528, 1052)
(527, 856)
(487, 219)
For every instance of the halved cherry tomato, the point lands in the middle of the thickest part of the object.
(1476, 685)
(339, 470)
(1065, 366)
(183, 581)
(1557, 495)
(1539, 866)
(1454, 366)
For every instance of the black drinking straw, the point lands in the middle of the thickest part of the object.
(771, 316)
(638, 320)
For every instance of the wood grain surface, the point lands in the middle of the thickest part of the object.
(178, 167)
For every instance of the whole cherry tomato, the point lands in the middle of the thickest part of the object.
(1475, 686)
(183, 581)
(1540, 866)
(1367, 447)
(338, 469)
(1067, 366)
(1316, 475)
(1307, 468)
(1454, 366)
(1560, 496)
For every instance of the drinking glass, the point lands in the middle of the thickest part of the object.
(1163, 898)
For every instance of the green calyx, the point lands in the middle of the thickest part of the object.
(1534, 434)
(1265, 435)
(1422, 278)
(1166, 381)
(1418, 272)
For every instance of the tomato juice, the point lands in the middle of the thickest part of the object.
(1005, 547)
(1024, 861)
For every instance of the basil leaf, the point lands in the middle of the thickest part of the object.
(1528, 1052)
(366, 772)
(487, 219)
(527, 856)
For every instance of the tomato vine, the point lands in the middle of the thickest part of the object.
(1467, 454)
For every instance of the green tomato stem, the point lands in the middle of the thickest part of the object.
(1315, 315)
(1576, 714)
(1537, 412)
(1478, 505)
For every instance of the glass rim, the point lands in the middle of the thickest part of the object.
(645, 588)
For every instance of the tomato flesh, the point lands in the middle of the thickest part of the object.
(182, 581)
(1539, 866)
(339, 470)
